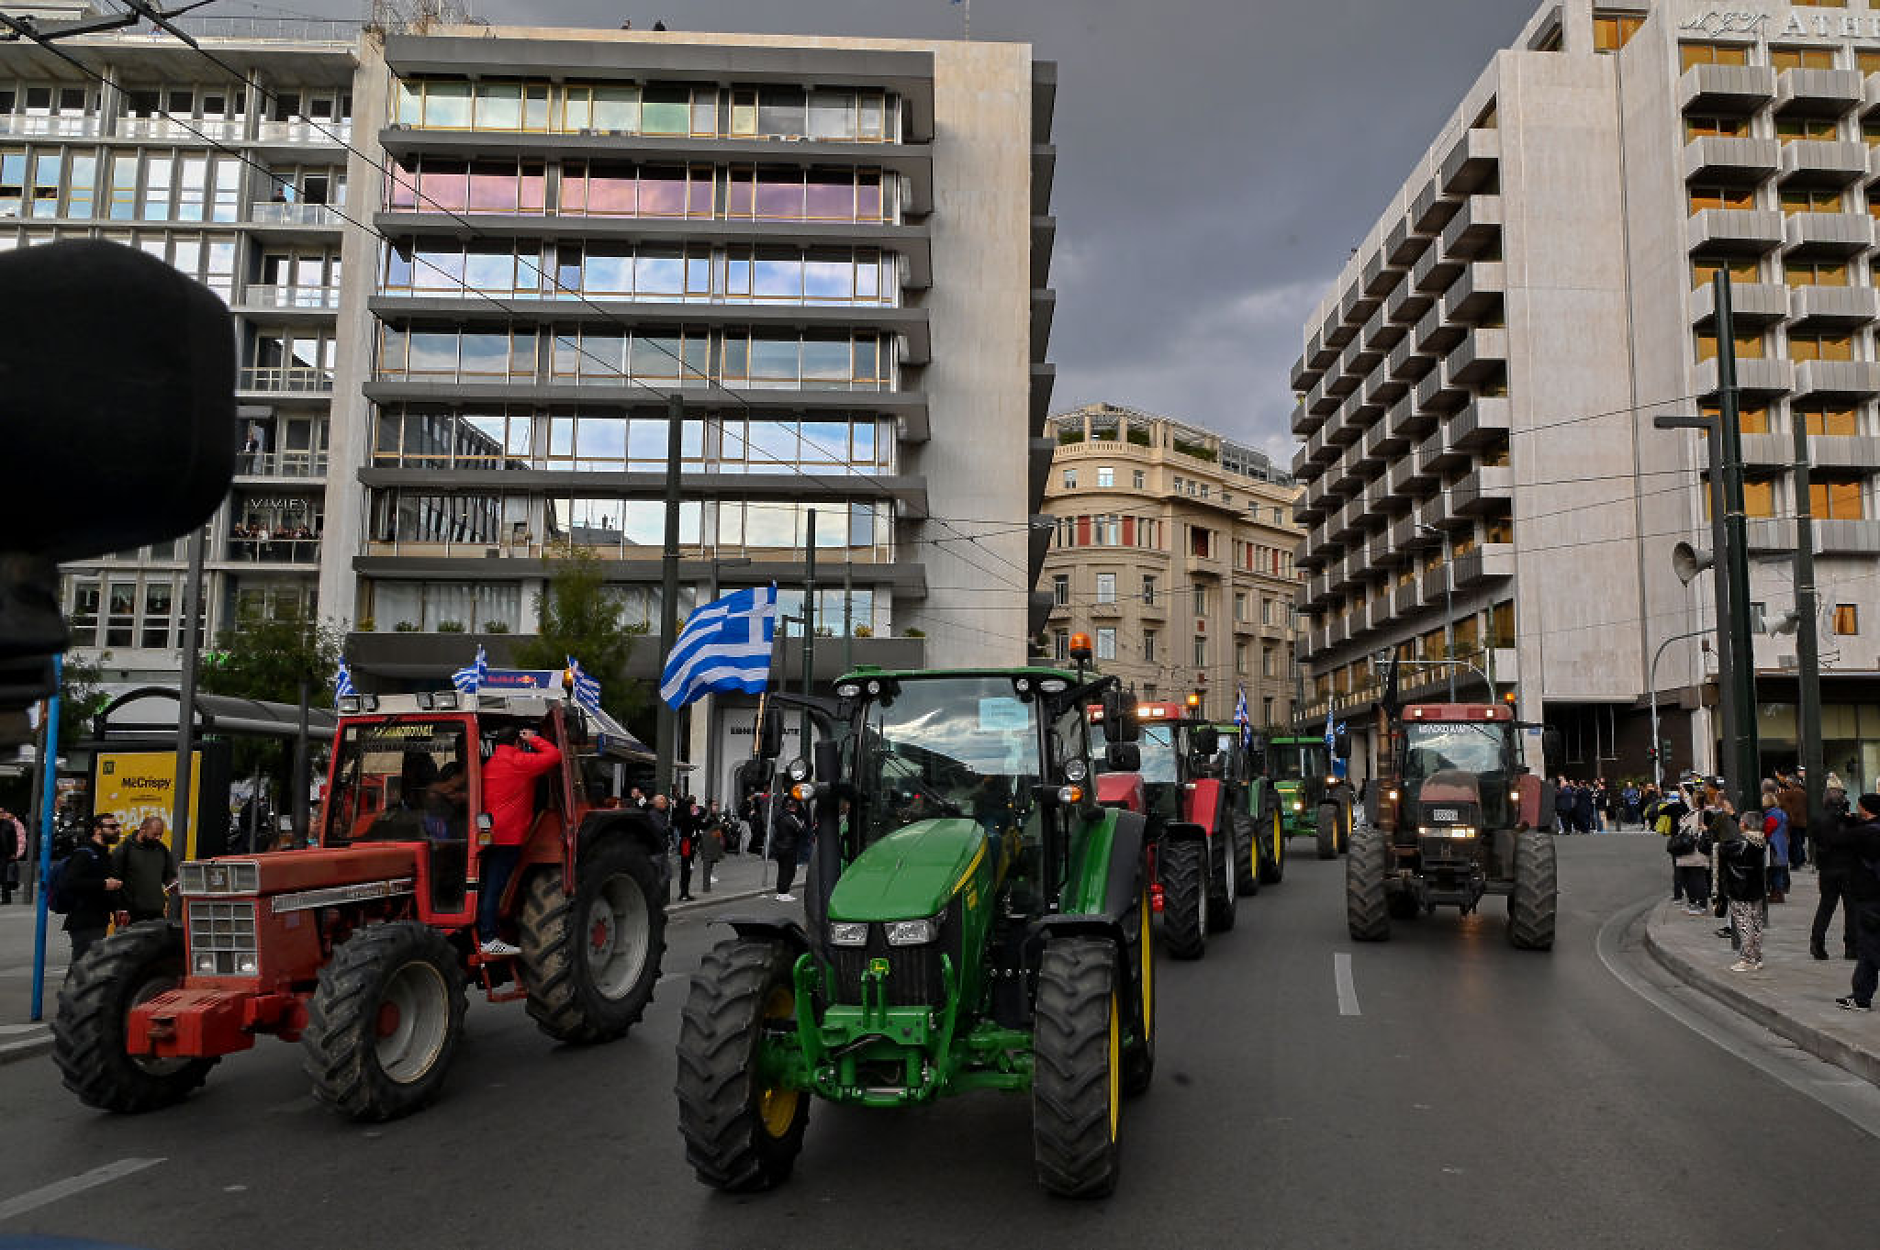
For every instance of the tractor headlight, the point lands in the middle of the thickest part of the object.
(205, 962)
(247, 966)
(1298, 806)
(1075, 770)
(848, 933)
(912, 932)
(798, 770)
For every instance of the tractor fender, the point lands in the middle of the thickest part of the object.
(1203, 801)
(1184, 831)
(1124, 790)
(1105, 928)
(768, 929)
(1125, 861)
(626, 822)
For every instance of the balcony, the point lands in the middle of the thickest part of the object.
(1819, 92)
(186, 130)
(1479, 356)
(1752, 304)
(1403, 244)
(303, 133)
(1725, 159)
(1379, 500)
(1410, 419)
(78, 126)
(1406, 364)
(298, 465)
(1771, 535)
(1436, 512)
(1475, 227)
(1740, 231)
(1320, 399)
(1318, 354)
(1479, 288)
(277, 214)
(1840, 307)
(1381, 388)
(1838, 379)
(302, 298)
(1847, 538)
(1828, 235)
(1470, 162)
(1435, 335)
(1488, 562)
(285, 379)
(1732, 89)
(1434, 271)
(1431, 208)
(1379, 275)
(1822, 163)
(1302, 377)
(1106, 611)
(1347, 521)
(1406, 598)
(1482, 423)
(1196, 565)
(1489, 488)
(274, 550)
(1405, 303)
(1763, 378)
(1380, 333)
(1409, 479)
(1355, 305)
(1304, 420)
(1437, 454)
(1439, 393)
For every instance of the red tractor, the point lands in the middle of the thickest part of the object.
(1196, 867)
(1454, 817)
(361, 946)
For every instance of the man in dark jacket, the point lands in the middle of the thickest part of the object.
(91, 887)
(1835, 863)
(147, 869)
(1859, 838)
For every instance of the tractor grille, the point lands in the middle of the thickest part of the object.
(913, 972)
(222, 939)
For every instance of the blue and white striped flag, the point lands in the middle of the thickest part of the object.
(1242, 717)
(469, 679)
(724, 646)
(587, 691)
(342, 682)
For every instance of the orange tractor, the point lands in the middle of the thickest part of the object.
(361, 945)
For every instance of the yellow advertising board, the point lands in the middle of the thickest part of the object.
(137, 784)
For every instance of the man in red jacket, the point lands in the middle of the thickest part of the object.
(509, 778)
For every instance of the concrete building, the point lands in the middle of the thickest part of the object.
(1172, 547)
(1477, 389)
(832, 252)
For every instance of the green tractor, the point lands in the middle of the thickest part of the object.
(1297, 789)
(975, 920)
(1259, 823)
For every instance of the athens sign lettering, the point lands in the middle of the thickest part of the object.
(1717, 23)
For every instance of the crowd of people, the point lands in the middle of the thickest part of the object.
(1735, 865)
(700, 835)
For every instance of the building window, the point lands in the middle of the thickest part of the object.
(1748, 347)
(1201, 651)
(1138, 479)
(1742, 269)
(1847, 619)
(1789, 129)
(1148, 589)
(1109, 532)
(1106, 476)
(1702, 197)
(1820, 346)
(1200, 542)
(1815, 273)
(1266, 611)
(1612, 31)
(1201, 600)
(1266, 710)
(1240, 658)
(1070, 479)
(1836, 500)
(1061, 645)
(1106, 643)
(1106, 588)
(1831, 422)
(1268, 662)
(1801, 58)
(1240, 605)
(1716, 127)
(1061, 590)
(1148, 646)
(1810, 201)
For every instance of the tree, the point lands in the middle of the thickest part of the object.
(580, 617)
(80, 699)
(265, 657)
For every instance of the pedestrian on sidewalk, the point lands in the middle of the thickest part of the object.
(686, 827)
(1834, 863)
(785, 839)
(1775, 831)
(91, 887)
(12, 854)
(711, 842)
(1860, 840)
(147, 869)
(1689, 845)
(1743, 866)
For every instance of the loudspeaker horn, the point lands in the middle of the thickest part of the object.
(1688, 561)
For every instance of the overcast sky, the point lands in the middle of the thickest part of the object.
(1217, 161)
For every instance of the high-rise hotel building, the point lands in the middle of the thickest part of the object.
(1476, 391)
(832, 253)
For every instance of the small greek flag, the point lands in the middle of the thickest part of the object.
(587, 691)
(1242, 717)
(469, 679)
(342, 682)
(724, 646)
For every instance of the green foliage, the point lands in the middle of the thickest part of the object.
(913, 633)
(80, 699)
(580, 617)
(405, 627)
(496, 627)
(450, 627)
(265, 657)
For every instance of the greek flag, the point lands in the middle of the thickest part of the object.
(587, 691)
(342, 682)
(1242, 717)
(470, 678)
(724, 646)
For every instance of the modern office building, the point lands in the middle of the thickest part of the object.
(1172, 548)
(1481, 470)
(831, 254)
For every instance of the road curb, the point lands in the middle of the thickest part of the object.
(28, 1048)
(696, 904)
(1817, 1042)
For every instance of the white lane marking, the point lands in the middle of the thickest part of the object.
(9, 1029)
(33, 1199)
(1347, 989)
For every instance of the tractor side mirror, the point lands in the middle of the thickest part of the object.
(1119, 716)
(828, 756)
(1341, 740)
(770, 734)
(1122, 757)
(1207, 740)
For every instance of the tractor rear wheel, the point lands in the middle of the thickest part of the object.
(384, 1021)
(1367, 914)
(1139, 1055)
(591, 960)
(1183, 867)
(1076, 1086)
(1536, 897)
(1247, 860)
(1273, 856)
(1328, 831)
(1222, 870)
(743, 1127)
(127, 968)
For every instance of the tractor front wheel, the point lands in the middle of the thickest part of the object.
(1328, 831)
(1536, 897)
(743, 1125)
(384, 1021)
(1247, 856)
(1273, 865)
(591, 959)
(1223, 900)
(1183, 868)
(1139, 1055)
(127, 968)
(1076, 1087)
(1367, 913)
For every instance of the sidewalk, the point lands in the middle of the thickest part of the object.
(737, 877)
(1794, 993)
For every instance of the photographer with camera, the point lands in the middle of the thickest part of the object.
(1835, 863)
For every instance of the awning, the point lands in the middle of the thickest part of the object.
(153, 711)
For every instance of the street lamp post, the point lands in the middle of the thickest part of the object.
(1449, 601)
(711, 727)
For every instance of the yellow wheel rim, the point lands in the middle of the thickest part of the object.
(1279, 836)
(1148, 973)
(776, 1104)
(1116, 1067)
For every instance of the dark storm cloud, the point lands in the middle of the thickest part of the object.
(1216, 162)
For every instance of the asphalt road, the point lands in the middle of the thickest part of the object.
(1478, 1095)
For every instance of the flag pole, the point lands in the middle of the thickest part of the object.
(667, 739)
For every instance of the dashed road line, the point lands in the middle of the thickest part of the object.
(33, 1199)
(1347, 989)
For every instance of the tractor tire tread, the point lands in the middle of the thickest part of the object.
(1535, 901)
(1183, 869)
(88, 1030)
(1249, 867)
(1367, 908)
(561, 1002)
(1075, 1153)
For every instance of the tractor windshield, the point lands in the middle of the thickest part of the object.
(398, 780)
(1433, 748)
(1297, 761)
(1156, 744)
(956, 746)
